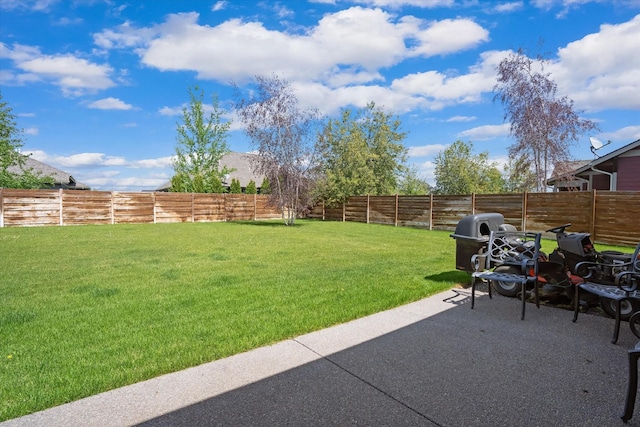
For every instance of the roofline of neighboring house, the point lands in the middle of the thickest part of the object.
(594, 163)
(635, 144)
(61, 178)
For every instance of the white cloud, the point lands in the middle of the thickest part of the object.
(602, 70)
(508, 7)
(400, 3)
(31, 131)
(345, 47)
(110, 104)
(219, 5)
(628, 133)
(446, 36)
(426, 150)
(74, 75)
(486, 132)
(455, 119)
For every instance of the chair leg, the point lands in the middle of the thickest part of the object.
(524, 298)
(576, 303)
(632, 388)
(473, 291)
(616, 330)
(536, 293)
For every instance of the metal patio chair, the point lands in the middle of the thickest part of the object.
(511, 256)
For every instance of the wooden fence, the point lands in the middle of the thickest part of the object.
(610, 217)
(74, 207)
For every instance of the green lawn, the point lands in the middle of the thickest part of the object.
(90, 308)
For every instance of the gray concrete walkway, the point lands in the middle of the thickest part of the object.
(434, 362)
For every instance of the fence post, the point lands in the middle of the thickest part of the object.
(593, 215)
(368, 208)
(193, 207)
(1, 208)
(153, 198)
(473, 203)
(396, 218)
(524, 211)
(111, 209)
(255, 206)
(60, 201)
(323, 207)
(431, 211)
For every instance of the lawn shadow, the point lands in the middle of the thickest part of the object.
(455, 276)
(265, 223)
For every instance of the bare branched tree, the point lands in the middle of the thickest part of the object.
(283, 136)
(544, 125)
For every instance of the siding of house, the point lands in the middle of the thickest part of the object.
(600, 182)
(628, 174)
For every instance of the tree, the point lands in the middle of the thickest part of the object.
(265, 188)
(235, 187)
(411, 184)
(362, 154)
(518, 176)
(251, 188)
(13, 173)
(282, 134)
(460, 171)
(544, 125)
(202, 142)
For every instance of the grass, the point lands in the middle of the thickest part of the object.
(91, 308)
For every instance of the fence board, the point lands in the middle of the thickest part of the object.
(382, 210)
(509, 205)
(616, 219)
(548, 210)
(86, 207)
(173, 207)
(448, 210)
(355, 209)
(414, 211)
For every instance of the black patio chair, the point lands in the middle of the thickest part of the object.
(627, 285)
(511, 256)
(632, 385)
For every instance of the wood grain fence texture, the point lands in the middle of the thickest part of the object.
(610, 217)
(73, 207)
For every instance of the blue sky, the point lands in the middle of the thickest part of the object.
(99, 85)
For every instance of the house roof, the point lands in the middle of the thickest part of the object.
(601, 161)
(242, 166)
(61, 178)
(575, 168)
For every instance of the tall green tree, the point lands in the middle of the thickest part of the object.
(362, 153)
(251, 188)
(545, 125)
(201, 144)
(460, 171)
(411, 184)
(235, 187)
(13, 172)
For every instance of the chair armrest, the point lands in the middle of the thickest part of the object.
(628, 281)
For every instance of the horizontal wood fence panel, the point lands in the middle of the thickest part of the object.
(509, 205)
(617, 217)
(610, 217)
(382, 210)
(355, 209)
(173, 207)
(448, 210)
(548, 210)
(74, 207)
(38, 207)
(414, 211)
(90, 207)
(208, 207)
